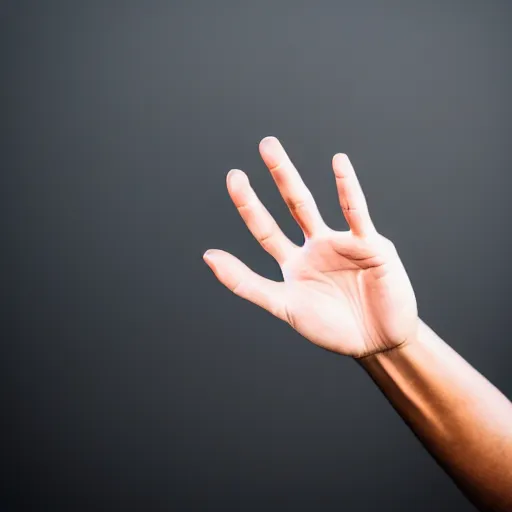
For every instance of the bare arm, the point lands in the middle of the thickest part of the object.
(348, 292)
(460, 417)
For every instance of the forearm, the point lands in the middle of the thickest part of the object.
(461, 418)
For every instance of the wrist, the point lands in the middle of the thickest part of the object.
(394, 351)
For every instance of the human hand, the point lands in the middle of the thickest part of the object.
(345, 291)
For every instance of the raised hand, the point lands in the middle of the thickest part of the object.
(346, 291)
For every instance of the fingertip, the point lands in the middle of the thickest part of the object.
(272, 152)
(215, 254)
(236, 178)
(209, 255)
(234, 172)
(339, 158)
(268, 143)
(268, 139)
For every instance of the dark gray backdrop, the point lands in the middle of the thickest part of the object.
(131, 379)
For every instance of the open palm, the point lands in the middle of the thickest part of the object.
(346, 291)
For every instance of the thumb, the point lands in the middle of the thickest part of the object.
(246, 283)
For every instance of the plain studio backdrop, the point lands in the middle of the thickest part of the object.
(130, 378)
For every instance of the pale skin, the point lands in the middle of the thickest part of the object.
(348, 292)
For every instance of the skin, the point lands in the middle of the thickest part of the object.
(348, 292)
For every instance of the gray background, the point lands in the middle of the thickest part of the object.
(130, 378)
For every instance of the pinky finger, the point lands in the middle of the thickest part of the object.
(246, 283)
